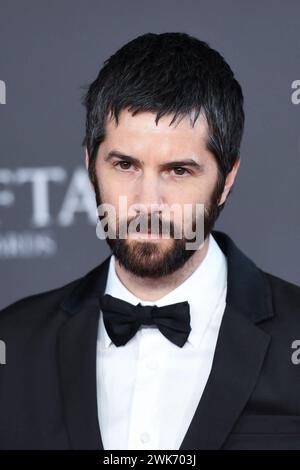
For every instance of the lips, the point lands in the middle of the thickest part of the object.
(146, 235)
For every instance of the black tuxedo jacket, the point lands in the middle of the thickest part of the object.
(252, 398)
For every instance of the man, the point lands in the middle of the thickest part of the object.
(160, 346)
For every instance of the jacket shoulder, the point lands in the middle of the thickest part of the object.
(37, 304)
(285, 294)
(279, 283)
(37, 308)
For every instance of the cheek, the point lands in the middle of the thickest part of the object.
(193, 192)
(116, 196)
(115, 187)
(108, 187)
(199, 192)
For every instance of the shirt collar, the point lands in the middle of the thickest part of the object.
(203, 289)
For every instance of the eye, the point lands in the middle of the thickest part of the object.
(180, 168)
(123, 162)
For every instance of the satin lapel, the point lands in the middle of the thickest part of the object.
(238, 359)
(77, 342)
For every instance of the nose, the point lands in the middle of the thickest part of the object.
(148, 192)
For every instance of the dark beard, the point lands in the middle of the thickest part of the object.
(146, 259)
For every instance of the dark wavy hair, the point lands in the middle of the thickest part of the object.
(169, 73)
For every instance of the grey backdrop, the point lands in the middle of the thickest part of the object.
(49, 50)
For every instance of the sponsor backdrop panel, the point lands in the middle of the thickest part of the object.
(50, 50)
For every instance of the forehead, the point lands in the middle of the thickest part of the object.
(142, 131)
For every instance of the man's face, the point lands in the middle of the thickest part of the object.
(157, 175)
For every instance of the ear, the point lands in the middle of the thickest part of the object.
(87, 160)
(86, 155)
(229, 181)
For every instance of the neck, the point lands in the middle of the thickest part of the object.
(149, 289)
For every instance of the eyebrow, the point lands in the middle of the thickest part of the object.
(173, 164)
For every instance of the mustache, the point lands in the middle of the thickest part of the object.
(153, 223)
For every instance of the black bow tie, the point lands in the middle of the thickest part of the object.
(122, 319)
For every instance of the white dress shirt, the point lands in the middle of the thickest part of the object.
(148, 390)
